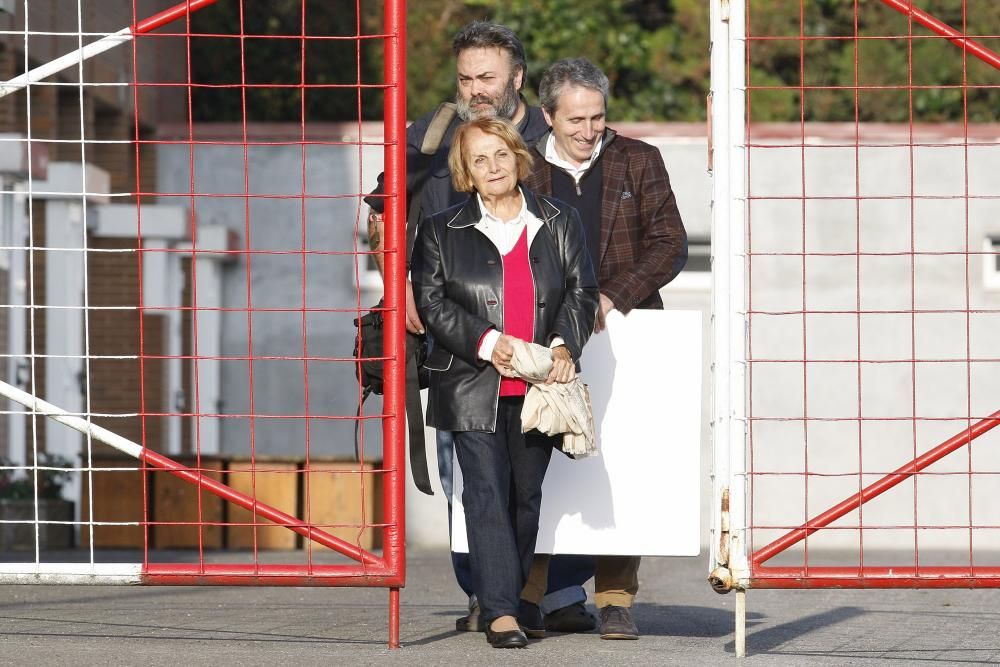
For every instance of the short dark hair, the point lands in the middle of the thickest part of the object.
(486, 35)
(570, 72)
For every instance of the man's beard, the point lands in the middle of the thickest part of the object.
(505, 106)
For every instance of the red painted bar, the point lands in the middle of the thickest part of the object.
(170, 15)
(940, 27)
(394, 617)
(266, 511)
(245, 574)
(876, 577)
(875, 489)
(394, 401)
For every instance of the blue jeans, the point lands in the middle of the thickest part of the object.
(567, 573)
(459, 561)
(503, 473)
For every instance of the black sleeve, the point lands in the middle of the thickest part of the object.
(578, 311)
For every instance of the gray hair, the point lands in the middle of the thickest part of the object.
(487, 35)
(570, 72)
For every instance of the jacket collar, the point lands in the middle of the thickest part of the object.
(469, 215)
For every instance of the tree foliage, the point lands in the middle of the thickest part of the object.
(655, 52)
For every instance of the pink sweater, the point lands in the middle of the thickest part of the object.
(518, 305)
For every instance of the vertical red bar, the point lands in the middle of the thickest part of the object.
(394, 617)
(393, 426)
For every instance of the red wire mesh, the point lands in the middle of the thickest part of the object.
(285, 358)
(871, 304)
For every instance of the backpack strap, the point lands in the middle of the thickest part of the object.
(415, 427)
(438, 126)
(433, 137)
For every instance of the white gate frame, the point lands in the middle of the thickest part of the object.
(729, 566)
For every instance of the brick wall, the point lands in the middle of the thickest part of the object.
(187, 351)
(118, 386)
(35, 322)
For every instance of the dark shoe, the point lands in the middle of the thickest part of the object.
(617, 623)
(573, 618)
(506, 639)
(473, 622)
(529, 617)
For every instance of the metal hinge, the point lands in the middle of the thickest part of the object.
(721, 578)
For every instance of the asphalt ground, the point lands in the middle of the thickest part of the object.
(683, 622)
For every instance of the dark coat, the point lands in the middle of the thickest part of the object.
(457, 275)
(643, 242)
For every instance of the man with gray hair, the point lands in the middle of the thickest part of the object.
(637, 243)
(491, 68)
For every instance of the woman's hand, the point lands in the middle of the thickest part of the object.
(563, 368)
(503, 352)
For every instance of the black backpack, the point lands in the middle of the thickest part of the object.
(369, 351)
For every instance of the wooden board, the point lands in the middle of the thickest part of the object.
(273, 483)
(342, 500)
(176, 509)
(117, 497)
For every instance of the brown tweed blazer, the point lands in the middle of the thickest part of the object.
(643, 242)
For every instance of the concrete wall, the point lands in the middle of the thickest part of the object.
(886, 297)
(276, 279)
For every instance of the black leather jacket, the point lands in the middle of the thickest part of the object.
(457, 275)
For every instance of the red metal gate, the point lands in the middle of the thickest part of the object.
(855, 303)
(171, 392)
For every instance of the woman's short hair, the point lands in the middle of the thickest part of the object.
(461, 177)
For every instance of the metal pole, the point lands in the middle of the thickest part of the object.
(394, 400)
(741, 623)
(729, 180)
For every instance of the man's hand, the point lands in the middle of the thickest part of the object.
(563, 368)
(503, 352)
(376, 227)
(376, 230)
(413, 323)
(605, 307)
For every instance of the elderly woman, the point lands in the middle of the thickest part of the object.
(507, 264)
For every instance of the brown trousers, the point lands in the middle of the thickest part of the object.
(616, 581)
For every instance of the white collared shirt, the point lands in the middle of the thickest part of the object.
(552, 157)
(504, 234)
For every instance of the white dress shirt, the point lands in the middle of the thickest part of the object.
(552, 157)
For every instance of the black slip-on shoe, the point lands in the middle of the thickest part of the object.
(617, 623)
(571, 618)
(473, 622)
(530, 618)
(506, 639)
